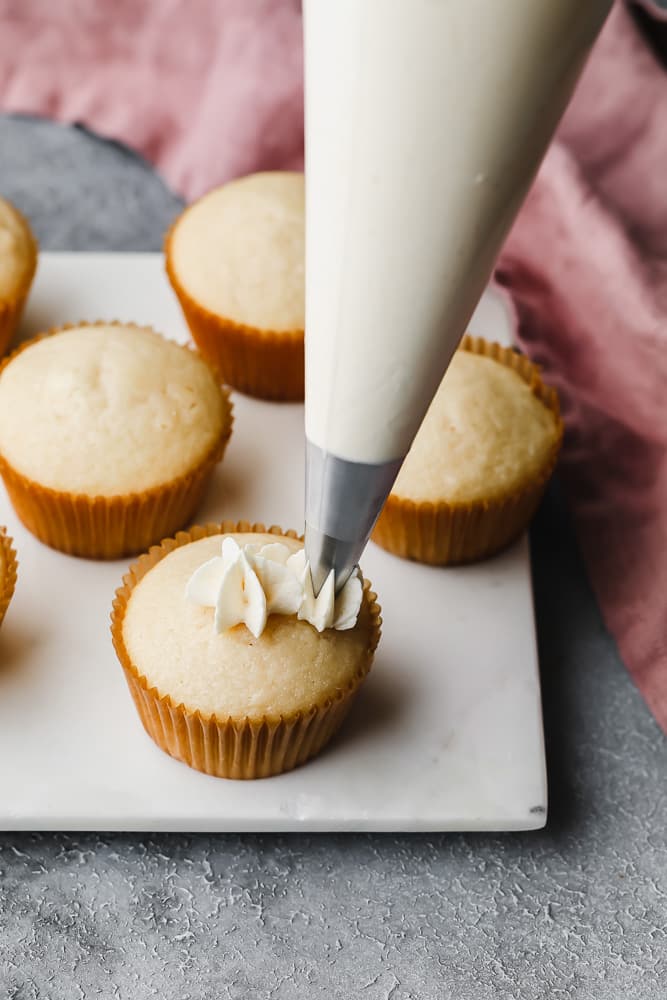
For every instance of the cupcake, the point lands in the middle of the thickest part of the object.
(234, 666)
(18, 261)
(108, 436)
(480, 462)
(8, 567)
(235, 259)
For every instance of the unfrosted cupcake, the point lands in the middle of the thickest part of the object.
(235, 259)
(8, 569)
(233, 665)
(108, 436)
(480, 462)
(18, 261)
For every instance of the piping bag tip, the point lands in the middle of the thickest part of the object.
(343, 500)
(326, 553)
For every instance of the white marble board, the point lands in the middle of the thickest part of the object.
(445, 735)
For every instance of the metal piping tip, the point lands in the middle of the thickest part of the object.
(326, 553)
(343, 500)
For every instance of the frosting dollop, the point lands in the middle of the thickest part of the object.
(245, 584)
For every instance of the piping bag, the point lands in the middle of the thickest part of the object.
(425, 123)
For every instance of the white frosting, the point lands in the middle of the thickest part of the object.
(425, 123)
(326, 610)
(247, 584)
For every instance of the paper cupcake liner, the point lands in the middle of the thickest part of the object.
(8, 581)
(10, 317)
(11, 309)
(231, 748)
(267, 364)
(108, 527)
(444, 533)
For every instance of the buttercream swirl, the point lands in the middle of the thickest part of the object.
(245, 584)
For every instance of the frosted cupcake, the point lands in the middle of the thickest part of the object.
(480, 462)
(235, 259)
(234, 666)
(8, 569)
(108, 436)
(18, 261)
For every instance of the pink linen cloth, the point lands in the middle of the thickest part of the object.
(210, 89)
(204, 89)
(586, 264)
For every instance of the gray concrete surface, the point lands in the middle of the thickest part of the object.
(576, 911)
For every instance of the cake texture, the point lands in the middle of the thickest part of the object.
(18, 262)
(108, 436)
(226, 701)
(480, 462)
(235, 259)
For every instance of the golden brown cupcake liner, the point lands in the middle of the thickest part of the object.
(108, 527)
(8, 581)
(267, 364)
(10, 317)
(11, 309)
(232, 748)
(444, 533)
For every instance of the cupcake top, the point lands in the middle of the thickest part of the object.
(239, 251)
(108, 409)
(176, 645)
(17, 251)
(485, 434)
